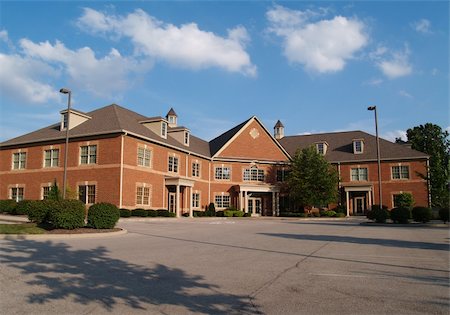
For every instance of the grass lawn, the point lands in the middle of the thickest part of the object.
(24, 228)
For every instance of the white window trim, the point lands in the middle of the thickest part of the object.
(354, 146)
(164, 127)
(89, 145)
(359, 168)
(196, 192)
(222, 167)
(51, 157)
(20, 166)
(198, 169)
(173, 156)
(400, 172)
(150, 160)
(144, 186)
(222, 195)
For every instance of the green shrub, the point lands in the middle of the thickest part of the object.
(8, 206)
(125, 213)
(377, 214)
(317, 214)
(219, 213)
(39, 210)
(139, 213)
(329, 213)
(421, 214)
(340, 209)
(293, 214)
(103, 216)
(228, 213)
(67, 214)
(444, 214)
(404, 200)
(210, 210)
(400, 215)
(172, 215)
(23, 207)
(247, 215)
(164, 213)
(340, 215)
(199, 214)
(238, 213)
(152, 213)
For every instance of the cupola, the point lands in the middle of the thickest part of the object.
(172, 118)
(278, 130)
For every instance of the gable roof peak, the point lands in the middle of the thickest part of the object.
(171, 113)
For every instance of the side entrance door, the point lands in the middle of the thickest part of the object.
(172, 202)
(359, 205)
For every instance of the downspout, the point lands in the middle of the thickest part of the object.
(428, 182)
(121, 170)
(209, 182)
(339, 182)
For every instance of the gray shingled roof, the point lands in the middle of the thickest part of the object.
(105, 120)
(341, 146)
(279, 124)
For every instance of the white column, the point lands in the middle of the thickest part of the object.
(177, 198)
(347, 202)
(274, 204)
(245, 202)
(370, 198)
(277, 208)
(191, 212)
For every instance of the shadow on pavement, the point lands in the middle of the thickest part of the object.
(93, 276)
(363, 240)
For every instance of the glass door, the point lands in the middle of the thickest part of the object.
(172, 202)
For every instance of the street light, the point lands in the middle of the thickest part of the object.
(69, 92)
(374, 108)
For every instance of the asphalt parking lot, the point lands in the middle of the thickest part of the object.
(231, 266)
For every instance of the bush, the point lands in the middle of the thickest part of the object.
(421, 214)
(8, 206)
(198, 214)
(340, 215)
(172, 215)
(23, 207)
(317, 214)
(67, 214)
(238, 213)
(444, 214)
(400, 215)
(293, 214)
(329, 213)
(39, 210)
(219, 213)
(125, 213)
(103, 216)
(211, 210)
(341, 209)
(228, 213)
(377, 214)
(139, 213)
(247, 215)
(152, 213)
(165, 213)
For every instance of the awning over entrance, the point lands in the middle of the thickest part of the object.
(365, 189)
(180, 182)
(249, 204)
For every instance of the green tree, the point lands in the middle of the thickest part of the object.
(312, 180)
(54, 193)
(404, 200)
(434, 141)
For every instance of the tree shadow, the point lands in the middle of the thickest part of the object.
(92, 276)
(363, 240)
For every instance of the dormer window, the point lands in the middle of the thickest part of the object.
(186, 138)
(358, 146)
(76, 118)
(172, 120)
(321, 148)
(164, 129)
(64, 124)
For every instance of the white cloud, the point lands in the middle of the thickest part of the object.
(4, 36)
(405, 94)
(392, 135)
(22, 78)
(322, 46)
(101, 76)
(396, 64)
(374, 82)
(186, 46)
(422, 26)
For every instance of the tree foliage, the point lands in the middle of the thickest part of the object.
(54, 193)
(312, 180)
(434, 141)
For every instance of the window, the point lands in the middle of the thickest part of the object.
(143, 195)
(357, 146)
(51, 158)
(195, 200)
(253, 174)
(173, 164)
(17, 193)
(222, 201)
(186, 138)
(359, 173)
(282, 175)
(86, 194)
(172, 120)
(46, 192)
(195, 169)
(321, 148)
(400, 172)
(222, 173)
(164, 129)
(64, 125)
(19, 160)
(144, 156)
(88, 154)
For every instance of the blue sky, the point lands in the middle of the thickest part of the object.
(316, 66)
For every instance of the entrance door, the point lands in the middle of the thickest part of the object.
(172, 202)
(254, 205)
(360, 205)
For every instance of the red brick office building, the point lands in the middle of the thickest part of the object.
(133, 161)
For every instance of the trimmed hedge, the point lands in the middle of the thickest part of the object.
(103, 216)
(219, 213)
(39, 210)
(340, 209)
(139, 213)
(421, 214)
(164, 213)
(340, 215)
(400, 215)
(444, 214)
(238, 213)
(293, 214)
(377, 214)
(125, 213)
(329, 213)
(67, 214)
(23, 207)
(152, 213)
(8, 206)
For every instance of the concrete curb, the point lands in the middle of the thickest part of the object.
(59, 236)
(410, 225)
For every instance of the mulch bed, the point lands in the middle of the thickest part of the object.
(81, 231)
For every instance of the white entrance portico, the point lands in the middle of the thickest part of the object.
(255, 199)
(177, 185)
(358, 199)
